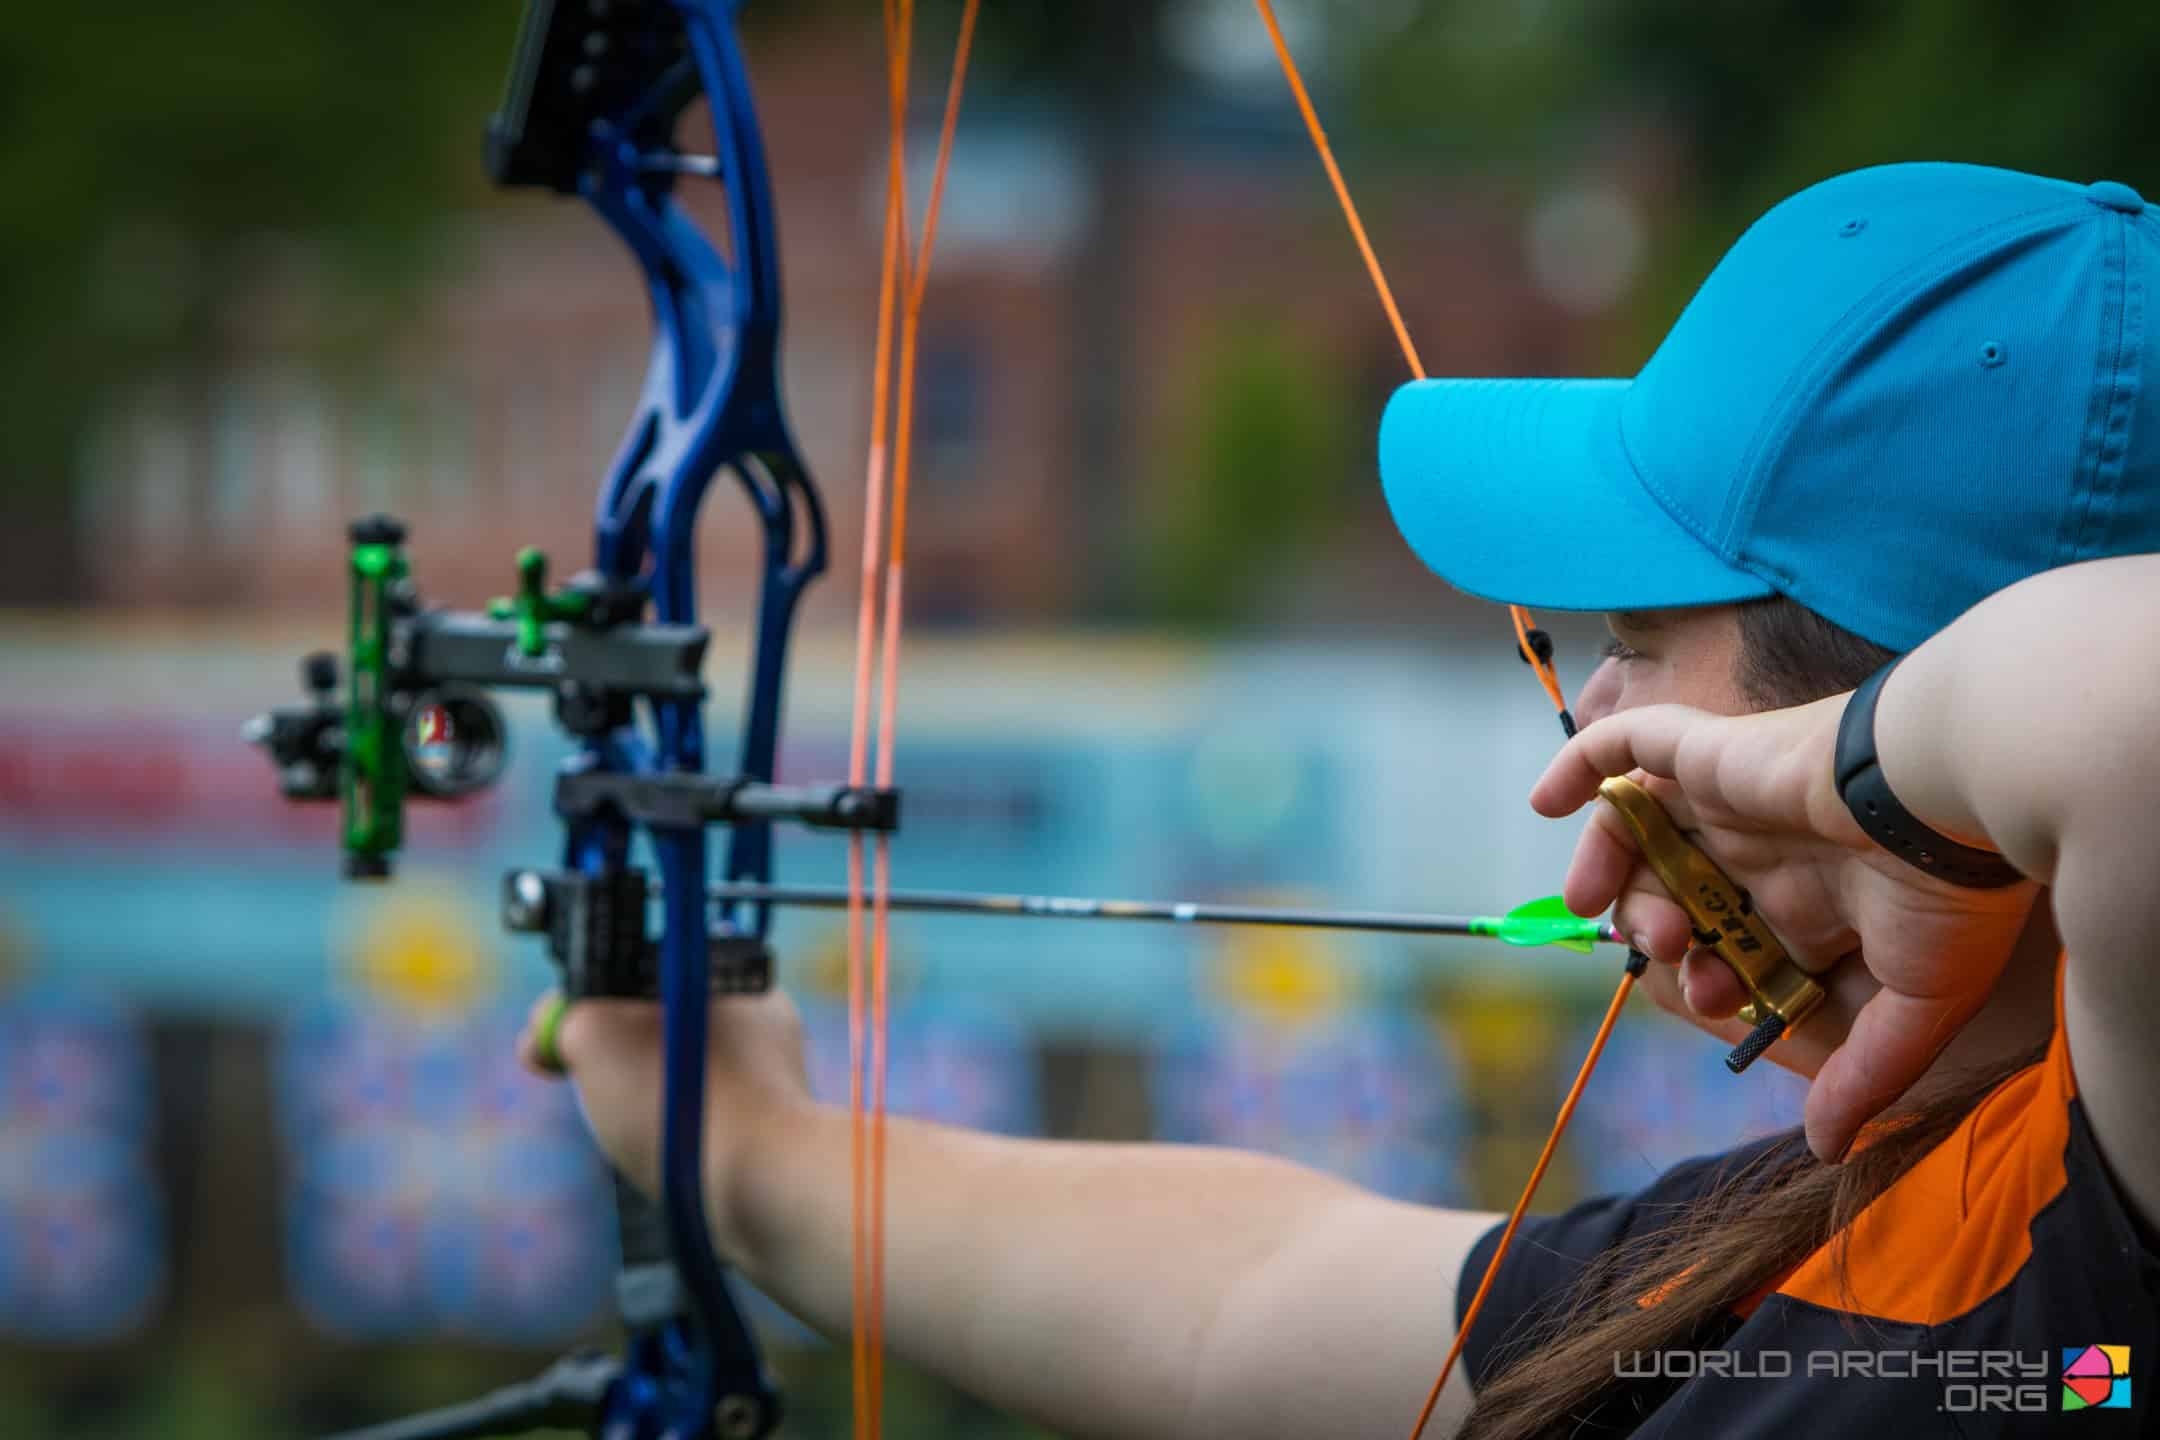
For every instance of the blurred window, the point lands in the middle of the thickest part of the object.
(299, 443)
(236, 418)
(382, 444)
(953, 406)
(444, 409)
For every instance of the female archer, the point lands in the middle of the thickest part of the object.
(1877, 533)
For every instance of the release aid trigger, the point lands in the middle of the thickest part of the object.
(1781, 994)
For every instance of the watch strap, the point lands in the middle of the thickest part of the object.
(1888, 823)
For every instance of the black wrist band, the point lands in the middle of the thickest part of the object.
(1887, 822)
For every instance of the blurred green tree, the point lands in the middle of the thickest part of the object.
(1761, 98)
(157, 160)
(1252, 480)
(151, 157)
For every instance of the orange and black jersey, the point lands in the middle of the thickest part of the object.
(2000, 1287)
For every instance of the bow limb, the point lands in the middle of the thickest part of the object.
(710, 402)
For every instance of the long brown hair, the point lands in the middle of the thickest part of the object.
(1762, 1217)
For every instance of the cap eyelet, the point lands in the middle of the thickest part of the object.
(1993, 354)
(1851, 228)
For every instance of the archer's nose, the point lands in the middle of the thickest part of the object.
(1600, 694)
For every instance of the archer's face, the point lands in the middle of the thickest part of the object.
(1666, 657)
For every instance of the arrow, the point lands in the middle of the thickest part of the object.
(1540, 922)
(1547, 922)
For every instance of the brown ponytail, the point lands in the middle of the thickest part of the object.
(1757, 1224)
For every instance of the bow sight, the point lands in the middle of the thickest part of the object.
(595, 92)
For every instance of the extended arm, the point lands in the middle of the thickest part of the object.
(1100, 1289)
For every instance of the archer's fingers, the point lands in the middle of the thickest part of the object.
(529, 1042)
(1608, 873)
(1605, 859)
(1645, 739)
(1889, 1046)
(589, 1035)
(1663, 983)
(611, 1050)
(1709, 985)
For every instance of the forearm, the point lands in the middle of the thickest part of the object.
(2026, 725)
(1129, 1290)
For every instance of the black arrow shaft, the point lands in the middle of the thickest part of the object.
(1064, 907)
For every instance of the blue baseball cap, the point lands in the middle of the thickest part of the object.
(1900, 391)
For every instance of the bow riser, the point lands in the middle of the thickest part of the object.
(595, 94)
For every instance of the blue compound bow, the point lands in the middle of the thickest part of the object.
(594, 96)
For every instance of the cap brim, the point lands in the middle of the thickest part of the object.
(1521, 491)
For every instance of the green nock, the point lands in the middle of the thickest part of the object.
(1542, 922)
(532, 607)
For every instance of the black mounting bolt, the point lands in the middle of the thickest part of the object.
(357, 866)
(319, 673)
(377, 530)
(524, 902)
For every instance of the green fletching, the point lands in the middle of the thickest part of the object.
(1547, 922)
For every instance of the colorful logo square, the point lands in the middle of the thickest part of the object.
(2096, 1377)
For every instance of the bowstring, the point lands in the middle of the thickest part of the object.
(892, 414)
(1522, 1203)
(1531, 644)
(892, 263)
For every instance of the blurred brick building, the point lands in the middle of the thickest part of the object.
(488, 423)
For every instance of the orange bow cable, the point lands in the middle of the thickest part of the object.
(1534, 647)
(892, 265)
(1522, 1204)
(1342, 190)
(889, 691)
(892, 416)
(1538, 655)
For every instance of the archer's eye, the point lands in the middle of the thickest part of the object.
(1618, 649)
